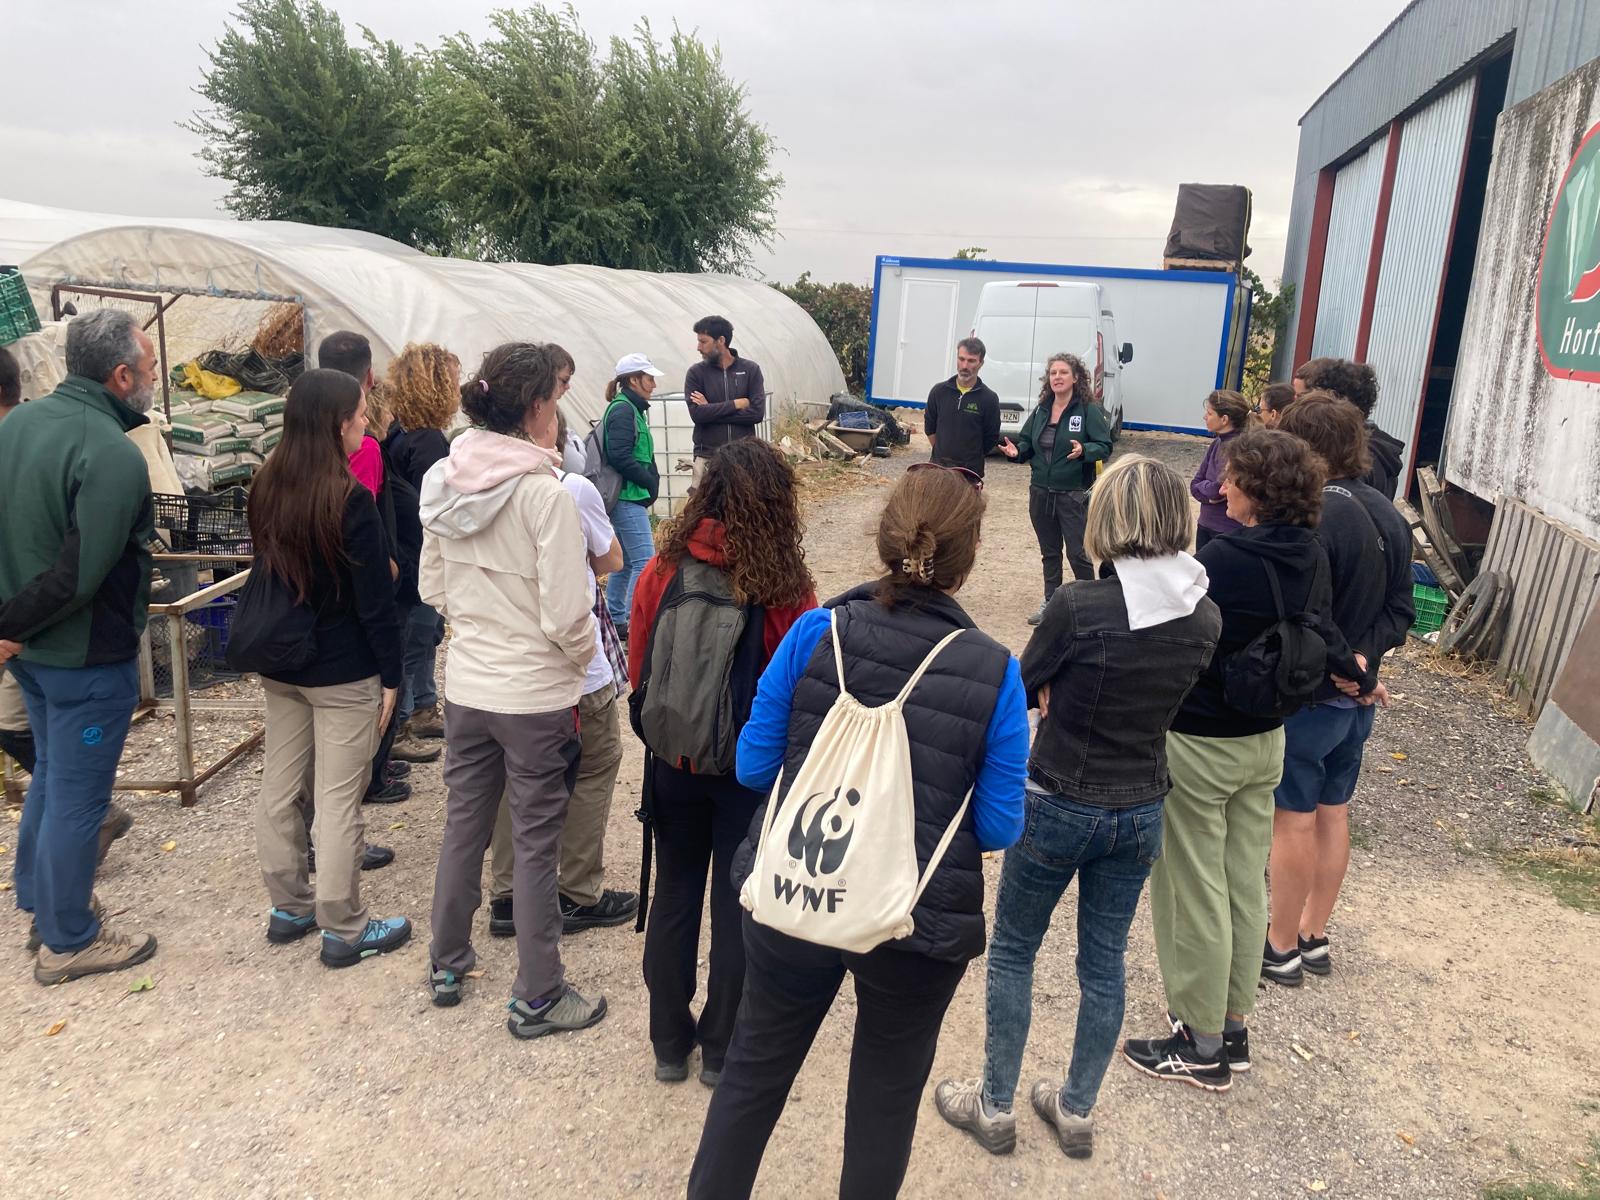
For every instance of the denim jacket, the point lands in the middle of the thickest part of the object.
(1113, 692)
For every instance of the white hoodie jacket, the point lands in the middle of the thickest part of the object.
(503, 557)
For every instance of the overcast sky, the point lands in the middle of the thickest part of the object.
(1045, 130)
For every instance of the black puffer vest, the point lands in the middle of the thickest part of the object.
(947, 720)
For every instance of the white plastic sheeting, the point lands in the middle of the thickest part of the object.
(1344, 263)
(395, 295)
(1422, 209)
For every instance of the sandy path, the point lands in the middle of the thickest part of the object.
(250, 1070)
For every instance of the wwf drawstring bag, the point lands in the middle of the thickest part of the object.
(836, 864)
(1277, 674)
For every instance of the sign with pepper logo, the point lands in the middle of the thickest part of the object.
(1568, 298)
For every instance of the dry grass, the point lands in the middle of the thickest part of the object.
(281, 332)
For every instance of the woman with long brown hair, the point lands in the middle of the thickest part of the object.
(965, 719)
(1064, 437)
(319, 538)
(731, 563)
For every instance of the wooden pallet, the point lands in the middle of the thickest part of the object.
(1449, 579)
(1198, 264)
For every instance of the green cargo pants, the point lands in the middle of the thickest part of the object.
(1208, 890)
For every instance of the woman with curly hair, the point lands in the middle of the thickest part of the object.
(967, 724)
(422, 395)
(1064, 437)
(1208, 894)
(739, 534)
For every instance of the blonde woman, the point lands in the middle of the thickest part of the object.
(422, 392)
(1063, 438)
(1107, 669)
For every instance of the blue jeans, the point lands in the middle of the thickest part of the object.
(80, 718)
(1322, 747)
(423, 629)
(1111, 850)
(632, 524)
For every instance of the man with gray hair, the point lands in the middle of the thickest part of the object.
(74, 585)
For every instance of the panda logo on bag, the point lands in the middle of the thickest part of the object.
(818, 838)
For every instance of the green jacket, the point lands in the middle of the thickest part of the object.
(75, 558)
(630, 448)
(1081, 422)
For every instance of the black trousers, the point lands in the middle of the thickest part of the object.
(1059, 519)
(700, 821)
(901, 1000)
(1202, 535)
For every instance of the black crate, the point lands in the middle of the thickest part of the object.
(205, 524)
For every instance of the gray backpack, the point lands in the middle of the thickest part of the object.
(597, 468)
(701, 666)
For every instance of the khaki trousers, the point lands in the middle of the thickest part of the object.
(583, 840)
(1208, 890)
(320, 743)
(13, 712)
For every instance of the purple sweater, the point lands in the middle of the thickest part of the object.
(1206, 487)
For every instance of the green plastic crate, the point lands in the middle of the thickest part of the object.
(17, 315)
(1431, 604)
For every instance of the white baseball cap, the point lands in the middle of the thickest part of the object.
(636, 364)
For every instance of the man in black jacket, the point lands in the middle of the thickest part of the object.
(1357, 383)
(727, 395)
(963, 416)
(1369, 556)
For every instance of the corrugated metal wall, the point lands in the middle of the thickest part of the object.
(1421, 211)
(1344, 270)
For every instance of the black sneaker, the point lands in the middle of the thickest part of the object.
(1179, 1059)
(613, 908)
(1315, 956)
(1038, 614)
(670, 1071)
(1236, 1049)
(389, 793)
(709, 1075)
(283, 928)
(373, 858)
(1282, 969)
(395, 771)
(500, 922)
(379, 937)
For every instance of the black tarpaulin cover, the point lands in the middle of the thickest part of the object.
(1212, 221)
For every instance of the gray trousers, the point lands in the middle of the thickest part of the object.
(533, 759)
(1059, 518)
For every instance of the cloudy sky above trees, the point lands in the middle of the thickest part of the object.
(1044, 130)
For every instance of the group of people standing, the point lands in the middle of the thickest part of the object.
(1154, 755)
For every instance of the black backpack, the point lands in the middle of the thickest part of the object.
(701, 666)
(1280, 670)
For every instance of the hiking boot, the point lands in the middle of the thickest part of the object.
(444, 986)
(1179, 1059)
(389, 793)
(501, 923)
(426, 723)
(1236, 1049)
(1038, 614)
(117, 823)
(408, 749)
(961, 1103)
(1315, 956)
(395, 771)
(379, 937)
(108, 952)
(571, 1011)
(283, 928)
(672, 1072)
(613, 908)
(1075, 1134)
(1282, 969)
(372, 857)
(35, 941)
(710, 1076)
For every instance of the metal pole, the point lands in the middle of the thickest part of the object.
(179, 648)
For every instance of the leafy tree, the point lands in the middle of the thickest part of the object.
(1269, 316)
(539, 151)
(303, 124)
(843, 311)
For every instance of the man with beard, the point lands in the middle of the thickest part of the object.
(74, 584)
(727, 395)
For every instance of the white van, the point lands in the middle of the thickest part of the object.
(1023, 323)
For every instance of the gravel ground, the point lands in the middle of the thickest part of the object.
(1433, 1060)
